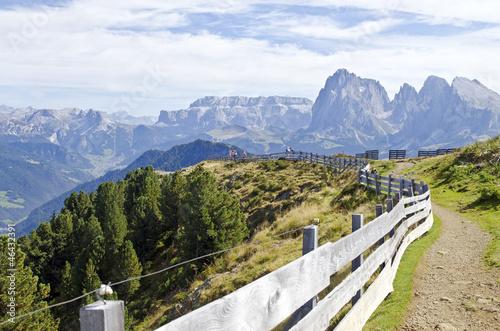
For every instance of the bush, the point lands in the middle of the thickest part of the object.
(490, 193)
(282, 164)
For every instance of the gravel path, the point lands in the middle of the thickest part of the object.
(453, 289)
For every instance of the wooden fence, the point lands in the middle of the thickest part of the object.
(397, 154)
(271, 299)
(437, 152)
(391, 186)
(371, 154)
(341, 164)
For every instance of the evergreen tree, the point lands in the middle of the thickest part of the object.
(142, 209)
(40, 252)
(109, 211)
(62, 227)
(85, 232)
(211, 218)
(66, 292)
(27, 292)
(128, 267)
(173, 189)
(79, 204)
(91, 282)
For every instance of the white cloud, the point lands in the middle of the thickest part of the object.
(104, 50)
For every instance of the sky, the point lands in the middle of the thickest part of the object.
(151, 55)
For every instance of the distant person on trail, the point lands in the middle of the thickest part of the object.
(235, 153)
(232, 153)
(244, 153)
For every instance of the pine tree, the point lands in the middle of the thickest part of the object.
(79, 204)
(128, 267)
(142, 210)
(173, 189)
(40, 252)
(91, 282)
(27, 292)
(66, 292)
(109, 211)
(211, 218)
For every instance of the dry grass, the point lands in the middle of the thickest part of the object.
(278, 197)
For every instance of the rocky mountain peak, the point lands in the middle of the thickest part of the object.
(406, 93)
(476, 94)
(258, 113)
(347, 100)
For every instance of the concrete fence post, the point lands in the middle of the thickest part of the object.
(103, 317)
(357, 223)
(309, 243)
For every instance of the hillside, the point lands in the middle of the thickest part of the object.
(467, 182)
(272, 197)
(278, 199)
(174, 159)
(275, 198)
(28, 180)
(456, 284)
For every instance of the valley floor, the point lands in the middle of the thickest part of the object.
(453, 289)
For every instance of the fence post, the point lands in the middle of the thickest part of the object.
(401, 186)
(103, 317)
(357, 223)
(377, 184)
(309, 243)
(379, 210)
(389, 186)
(389, 208)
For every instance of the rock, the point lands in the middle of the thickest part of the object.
(490, 309)
(445, 327)
(440, 267)
(446, 299)
(442, 252)
(484, 301)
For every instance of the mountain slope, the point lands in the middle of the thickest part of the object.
(28, 180)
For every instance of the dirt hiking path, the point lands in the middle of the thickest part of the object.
(453, 290)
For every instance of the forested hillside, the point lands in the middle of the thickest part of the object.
(117, 232)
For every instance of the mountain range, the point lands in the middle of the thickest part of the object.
(351, 114)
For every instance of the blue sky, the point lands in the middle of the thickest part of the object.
(151, 55)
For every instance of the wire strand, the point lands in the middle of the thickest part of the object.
(156, 272)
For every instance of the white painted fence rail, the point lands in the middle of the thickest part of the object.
(271, 299)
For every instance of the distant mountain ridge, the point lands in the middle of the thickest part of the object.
(261, 113)
(355, 113)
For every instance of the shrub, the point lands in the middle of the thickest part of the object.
(237, 185)
(490, 193)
